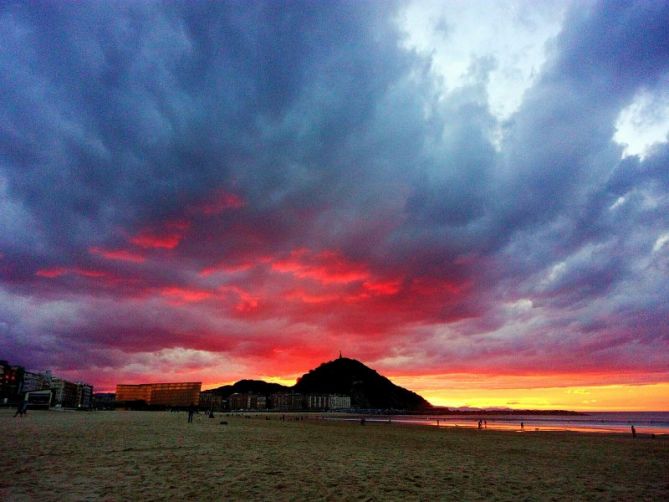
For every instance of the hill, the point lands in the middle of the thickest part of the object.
(259, 387)
(344, 376)
(366, 387)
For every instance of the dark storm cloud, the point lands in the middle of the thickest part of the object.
(126, 112)
(560, 167)
(178, 174)
(560, 145)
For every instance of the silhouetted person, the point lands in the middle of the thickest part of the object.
(633, 432)
(362, 421)
(21, 408)
(191, 412)
(480, 424)
(485, 424)
(522, 426)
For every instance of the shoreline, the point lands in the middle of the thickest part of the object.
(529, 427)
(531, 424)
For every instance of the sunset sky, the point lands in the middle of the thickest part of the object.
(471, 198)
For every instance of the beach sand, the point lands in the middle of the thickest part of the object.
(119, 455)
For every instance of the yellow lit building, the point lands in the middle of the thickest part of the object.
(161, 394)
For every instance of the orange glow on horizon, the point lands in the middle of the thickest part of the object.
(492, 392)
(454, 391)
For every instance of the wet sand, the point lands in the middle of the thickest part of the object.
(150, 456)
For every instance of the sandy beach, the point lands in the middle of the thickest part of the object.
(149, 456)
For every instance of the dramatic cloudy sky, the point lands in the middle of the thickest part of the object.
(470, 197)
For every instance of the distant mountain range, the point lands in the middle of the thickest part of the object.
(345, 376)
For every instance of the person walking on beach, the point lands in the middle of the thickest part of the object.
(633, 432)
(191, 412)
(522, 426)
(21, 408)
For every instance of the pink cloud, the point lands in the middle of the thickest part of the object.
(52, 273)
(326, 267)
(167, 236)
(186, 295)
(117, 254)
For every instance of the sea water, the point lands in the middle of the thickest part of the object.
(645, 423)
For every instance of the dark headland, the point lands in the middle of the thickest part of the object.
(368, 390)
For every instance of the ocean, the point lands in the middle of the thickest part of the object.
(645, 423)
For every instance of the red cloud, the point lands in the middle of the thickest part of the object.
(186, 295)
(331, 300)
(52, 273)
(383, 287)
(147, 239)
(306, 297)
(167, 237)
(247, 302)
(326, 267)
(330, 280)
